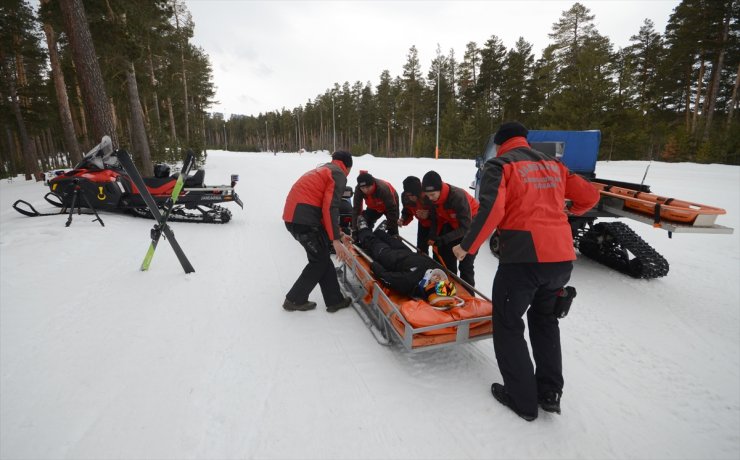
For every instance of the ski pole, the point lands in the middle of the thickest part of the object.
(457, 278)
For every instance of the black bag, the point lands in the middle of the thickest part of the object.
(565, 298)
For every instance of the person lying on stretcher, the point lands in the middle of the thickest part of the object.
(406, 271)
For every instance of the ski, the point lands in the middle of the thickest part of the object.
(156, 233)
(161, 226)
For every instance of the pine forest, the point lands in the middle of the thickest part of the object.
(72, 71)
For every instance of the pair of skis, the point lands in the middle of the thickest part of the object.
(161, 227)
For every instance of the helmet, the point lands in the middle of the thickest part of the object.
(441, 294)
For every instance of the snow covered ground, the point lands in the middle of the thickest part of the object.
(100, 360)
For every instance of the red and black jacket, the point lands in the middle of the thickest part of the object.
(314, 198)
(522, 194)
(409, 210)
(382, 199)
(454, 207)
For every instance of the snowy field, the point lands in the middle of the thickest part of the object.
(99, 360)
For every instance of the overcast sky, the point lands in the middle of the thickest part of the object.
(269, 55)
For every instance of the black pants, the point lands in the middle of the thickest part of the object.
(422, 238)
(383, 248)
(515, 288)
(319, 270)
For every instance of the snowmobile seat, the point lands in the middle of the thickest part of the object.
(394, 317)
(196, 180)
(157, 182)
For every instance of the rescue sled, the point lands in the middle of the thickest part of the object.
(396, 318)
(669, 214)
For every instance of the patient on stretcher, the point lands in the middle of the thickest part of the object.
(406, 271)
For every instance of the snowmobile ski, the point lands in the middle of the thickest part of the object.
(161, 226)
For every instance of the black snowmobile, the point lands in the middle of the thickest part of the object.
(100, 182)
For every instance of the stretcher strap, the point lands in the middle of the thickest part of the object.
(656, 214)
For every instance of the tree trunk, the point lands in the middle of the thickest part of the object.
(65, 115)
(153, 81)
(88, 70)
(733, 100)
(11, 150)
(173, 133)
(184, 80)
(30, 159)
(717, 72)
(688, 99)
(83, 119)
(138, 132)
(699, 82)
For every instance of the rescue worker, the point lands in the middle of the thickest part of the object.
(452, 211)
(311, 215)
(522, 194)
(405, 271)
(413, 206)
(380, 198)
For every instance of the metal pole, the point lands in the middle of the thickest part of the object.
(267, 138)
(333, 123)
(226, 141)
(439, 68)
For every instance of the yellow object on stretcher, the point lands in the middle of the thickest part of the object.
(394, 317)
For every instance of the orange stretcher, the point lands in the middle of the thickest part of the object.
(662, 212)
(393, 317)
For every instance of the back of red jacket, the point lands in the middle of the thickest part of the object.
(314, 198)
(522, 194)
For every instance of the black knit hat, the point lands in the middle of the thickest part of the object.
(412, 185)
(365, 179)
(431, 182)
(344, 157)
(508, 130)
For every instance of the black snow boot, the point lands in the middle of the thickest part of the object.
(499, 392)
(344, 303)
(292, 306)
(550, 401)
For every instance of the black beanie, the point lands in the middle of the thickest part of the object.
(508, 130)
(412, 185)
(344, 157)
(431, 182)
(365, 179)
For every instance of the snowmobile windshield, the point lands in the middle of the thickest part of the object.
(99, 155)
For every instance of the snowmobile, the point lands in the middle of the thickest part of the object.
(100, 182)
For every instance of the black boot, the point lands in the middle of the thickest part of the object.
(344, 303)
(499, 392)
(292, 306)
(550, 401)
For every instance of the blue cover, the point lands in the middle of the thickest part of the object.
(581, 148)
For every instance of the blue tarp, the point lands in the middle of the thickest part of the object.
(581, 148)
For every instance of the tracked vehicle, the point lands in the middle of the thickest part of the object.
(613, 243)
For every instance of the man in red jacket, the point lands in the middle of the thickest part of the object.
(413, 206)
(311, 215)
(381, 200)
(522, 194)
(452, 210)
